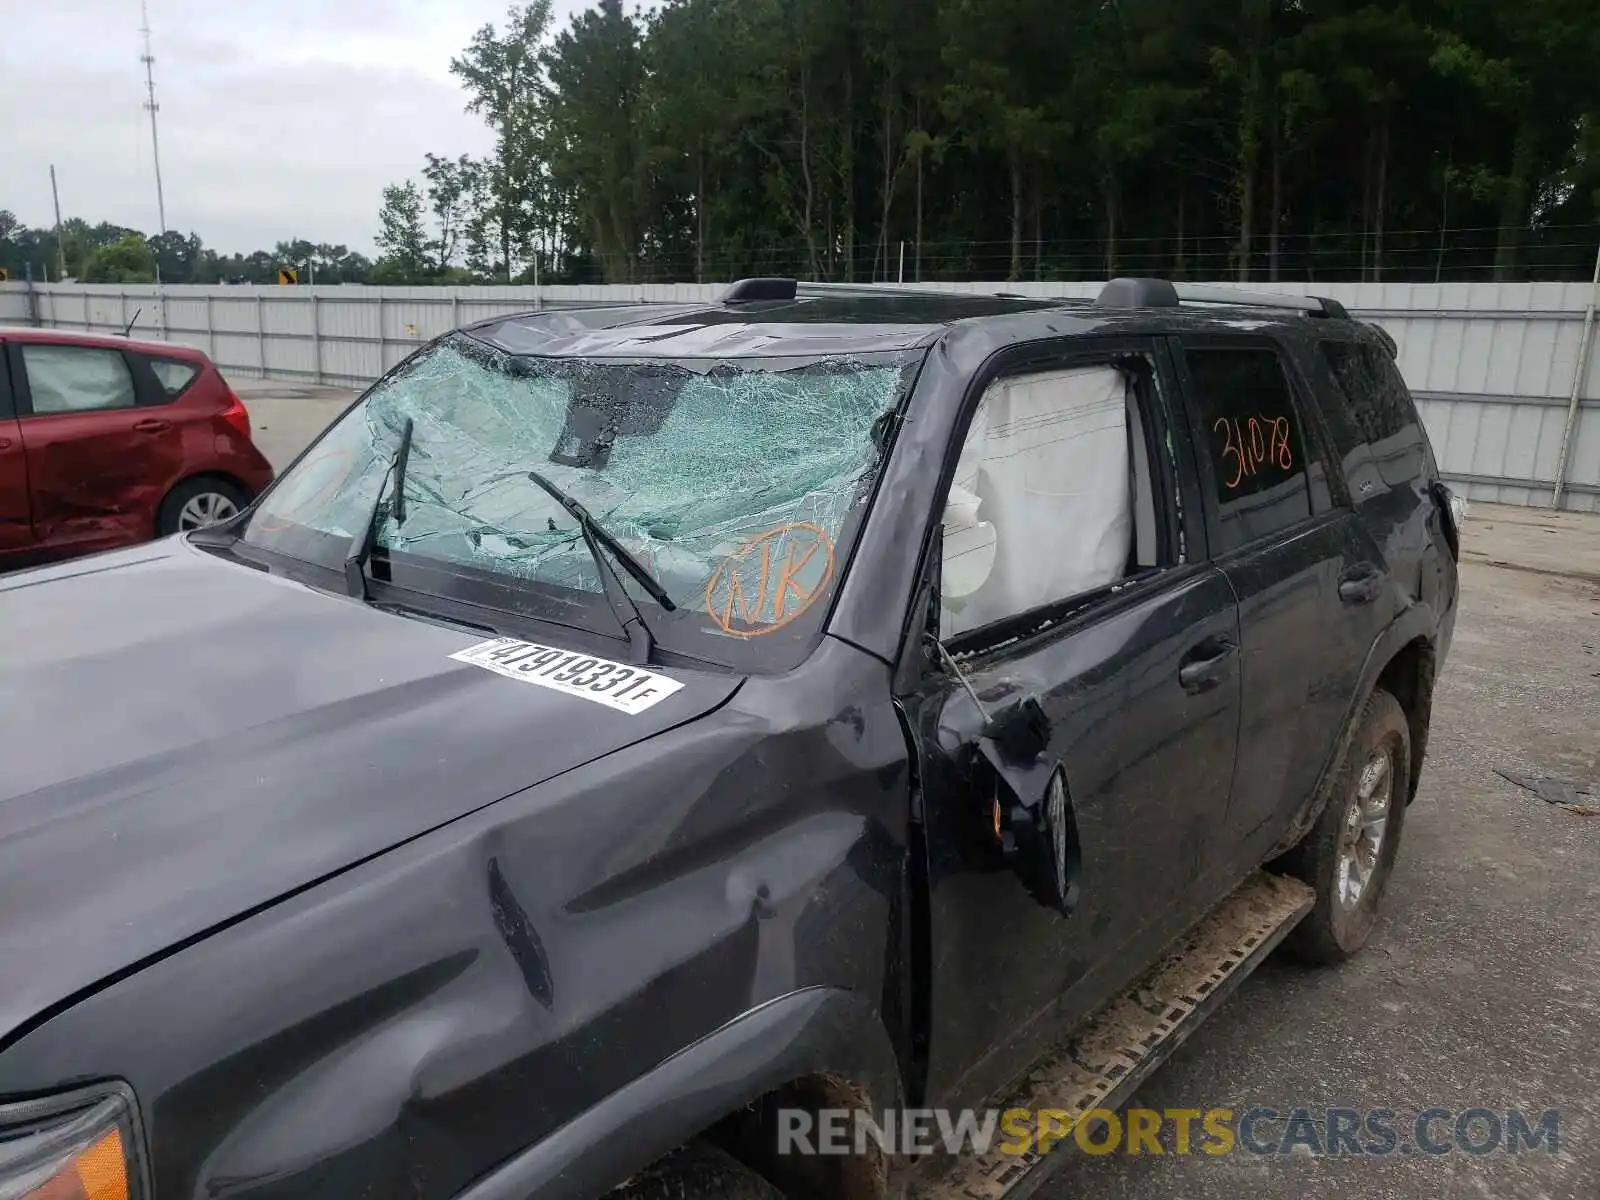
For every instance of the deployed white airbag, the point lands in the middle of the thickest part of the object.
(1047, 461)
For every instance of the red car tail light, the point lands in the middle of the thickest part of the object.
(237, 415)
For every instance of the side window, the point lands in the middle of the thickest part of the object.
(1394, 397)
(1252, 437)
(1054, 496)
(64, 379)
(1352, 367)
(172, 375)
(1385, 416)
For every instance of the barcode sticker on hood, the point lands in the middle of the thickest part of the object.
(616, 685)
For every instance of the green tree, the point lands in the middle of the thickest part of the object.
(1003, 59)
(401, 237)
(127, 260)
(689, 92)
(596, 132)
(1530, 68)
(502, 75)
(450, 194)
(179, 258)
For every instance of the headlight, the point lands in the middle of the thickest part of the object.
(81, 1146)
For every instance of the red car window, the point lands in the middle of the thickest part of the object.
(173, 376)
(77, 378)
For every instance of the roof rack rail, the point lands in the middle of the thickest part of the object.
(784, 288)
(1162, 293)
(871, 289)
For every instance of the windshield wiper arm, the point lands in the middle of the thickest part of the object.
(355, 562)
(630, 564)
(594, 537)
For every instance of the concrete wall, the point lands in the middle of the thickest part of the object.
(1492, 365)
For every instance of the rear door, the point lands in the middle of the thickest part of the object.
(16, 521)
(1311, 590)
(101, 452)
(1065, 579)
(1387, 462)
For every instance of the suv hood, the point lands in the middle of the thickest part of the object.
(184, 740)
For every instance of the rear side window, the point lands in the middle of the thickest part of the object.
(172, 375)
(63, 379)
(1252, 439)
(1381, 405)
(1371, 382)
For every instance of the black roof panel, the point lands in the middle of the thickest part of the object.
(839, 324)
(842, 324)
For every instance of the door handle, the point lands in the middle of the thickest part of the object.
(5, 443)
(1361, 585)
(1205, 666)
(151, 425)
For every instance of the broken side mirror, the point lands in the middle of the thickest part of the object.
(1021, 732)
(1032, 819)
(1034, 824)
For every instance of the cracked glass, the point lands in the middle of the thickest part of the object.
(733, 481)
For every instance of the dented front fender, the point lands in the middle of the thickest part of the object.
(404, 1027)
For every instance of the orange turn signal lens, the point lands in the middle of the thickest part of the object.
(97, 1172)
(76, 1146)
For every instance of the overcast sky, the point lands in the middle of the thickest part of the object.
(279, 118)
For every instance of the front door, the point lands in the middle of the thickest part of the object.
(1065, 580)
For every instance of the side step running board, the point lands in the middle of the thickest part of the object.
(1122, 1044)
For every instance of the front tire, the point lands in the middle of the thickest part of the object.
(698, 1171)
(1348, 855)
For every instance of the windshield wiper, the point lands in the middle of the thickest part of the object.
(638, 632)
(355, 563)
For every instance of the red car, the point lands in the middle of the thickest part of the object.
(108, 441)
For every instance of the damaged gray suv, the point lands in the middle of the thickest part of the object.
(629, 734)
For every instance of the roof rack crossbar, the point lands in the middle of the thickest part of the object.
(1200, 293)
(870, 289)
(1160, 293)
(785, 288)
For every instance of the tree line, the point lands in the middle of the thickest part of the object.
(108, 253)
(1019, 139)
(871, 140)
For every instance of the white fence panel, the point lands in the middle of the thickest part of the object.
(1492, 364)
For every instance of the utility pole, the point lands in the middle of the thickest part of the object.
(1580, 375)
(151, 107)
(61, 250)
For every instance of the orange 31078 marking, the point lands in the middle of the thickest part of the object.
(1249, 445)
(770, 580)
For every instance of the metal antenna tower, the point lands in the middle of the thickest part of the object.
(149, 61)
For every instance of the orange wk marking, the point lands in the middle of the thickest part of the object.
(799, 580)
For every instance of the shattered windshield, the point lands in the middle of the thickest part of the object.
(734, 482)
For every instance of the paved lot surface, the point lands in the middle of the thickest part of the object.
(1481, 987)
(285, 417)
